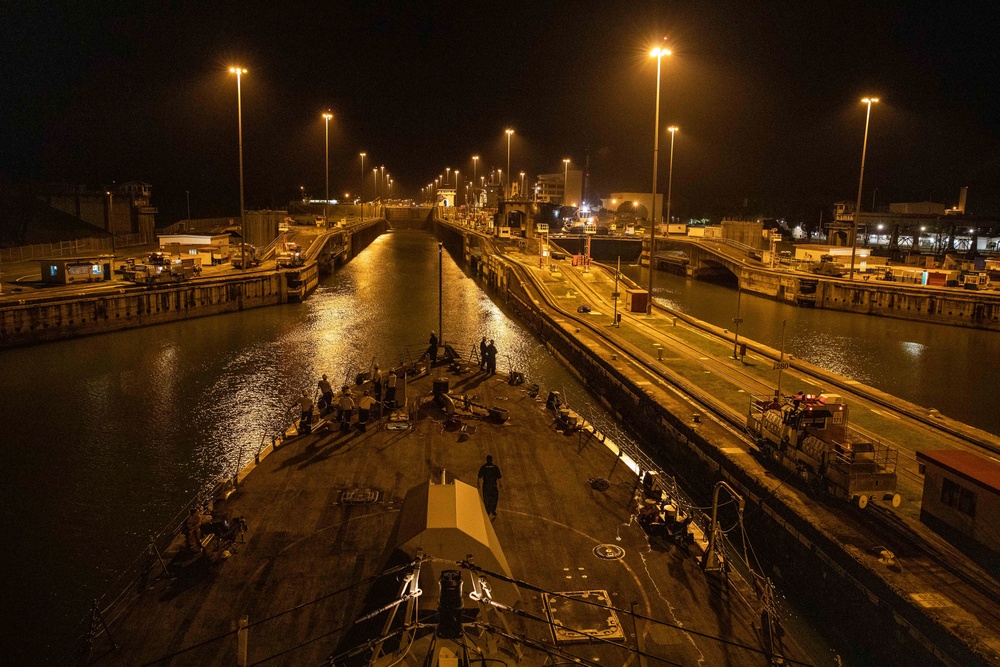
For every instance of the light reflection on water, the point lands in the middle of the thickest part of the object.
(109, 436)
(952, 369)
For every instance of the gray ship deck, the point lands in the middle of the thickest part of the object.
(304, 545)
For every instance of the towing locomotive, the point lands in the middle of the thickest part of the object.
(809, 435)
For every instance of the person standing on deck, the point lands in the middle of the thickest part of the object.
(489, 479)
(432, 348)
(491, 358)
(377, 383)
(365, 404)
(390, 390)
(306, 407)
(482, 354)
(326, 394)
(346, 409)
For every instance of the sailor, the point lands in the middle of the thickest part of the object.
(346, 409)
(192, 529)
(432, 348)
(365, 404)
(306, 406)
(326, 395)
(377, 383)
(491, 358)
(482, 354)
(489, 480)
(390, 390)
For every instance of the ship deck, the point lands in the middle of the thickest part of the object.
(304, 546)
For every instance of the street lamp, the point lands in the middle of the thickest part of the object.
(239, 71)
(565, 181)
(475, 165)
(111, 223)
(522, 185)
(857, 207)
(657, 53)
(326, 215)
(375, 183)
(362, 154)
(509, 133)
(670, 172)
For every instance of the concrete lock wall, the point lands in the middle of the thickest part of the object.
(39, 322)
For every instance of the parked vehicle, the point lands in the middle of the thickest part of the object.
(251, 258)
(289, 254)
(161, 268)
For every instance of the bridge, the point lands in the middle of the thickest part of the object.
(709, 258)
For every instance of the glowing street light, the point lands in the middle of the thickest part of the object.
(658, 53)
(239, 72)
(565, 180)
(857, 207)
(326, 119)
(475, 164)
(509, 133)
(362, 154)
(670, 172)
(522, 184)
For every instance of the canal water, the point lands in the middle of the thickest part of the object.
(952, 369)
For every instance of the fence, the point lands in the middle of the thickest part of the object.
(69, 248)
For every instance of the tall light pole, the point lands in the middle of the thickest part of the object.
(239, 71)
(187, 193)
(375, 183)
(565, 181)
(522, 185)
(657, 53)
(447, 176)
(857, 207)
(326, 215)
(111, 222)
(381, 178)
(362, 154)
(475, 165)
(670, 172)
(510, 133)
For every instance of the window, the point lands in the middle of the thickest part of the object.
(957, 496)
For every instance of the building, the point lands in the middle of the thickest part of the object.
(122, 210)
(633, 204)
(564, 188)
(961, 496)
(211, 248)
(69, 270)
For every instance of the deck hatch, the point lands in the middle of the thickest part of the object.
(609, 552)
(360, 496)
(570, 616)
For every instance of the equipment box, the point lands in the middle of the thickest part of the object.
(636, 300)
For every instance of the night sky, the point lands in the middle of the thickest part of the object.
(766, 96)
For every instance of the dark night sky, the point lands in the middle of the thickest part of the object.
(766, 95)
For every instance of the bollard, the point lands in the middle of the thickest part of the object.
(241, 643)
(659, 354)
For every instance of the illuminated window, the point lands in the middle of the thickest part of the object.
(957, 496)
